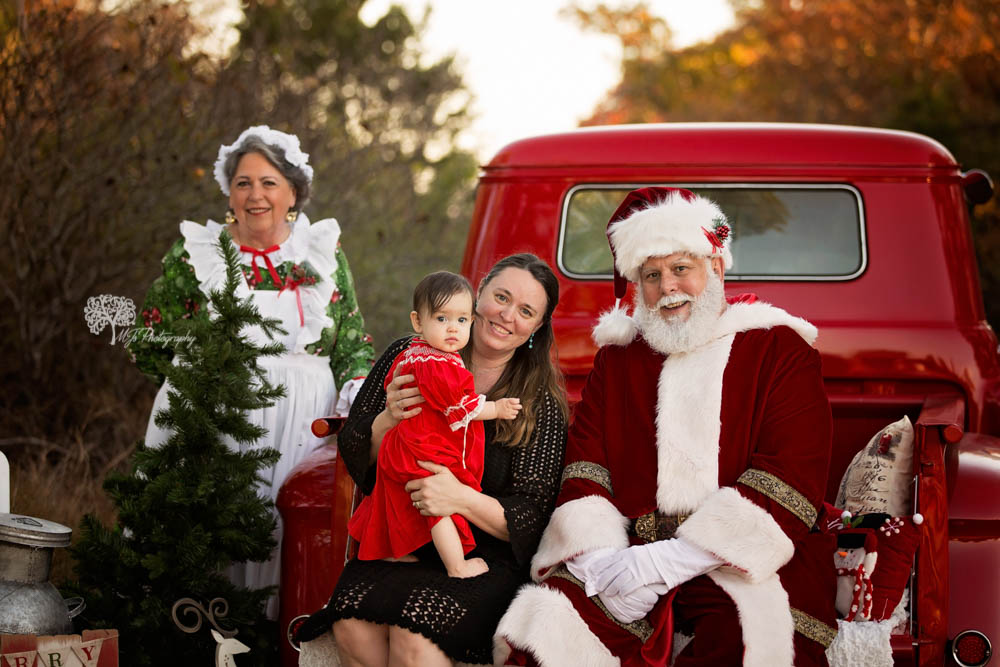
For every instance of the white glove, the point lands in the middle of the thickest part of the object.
(346, 397)
(582, 566)
(634, 605)
(587, 567)
(669, 562)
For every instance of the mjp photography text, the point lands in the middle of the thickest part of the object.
(119, 311)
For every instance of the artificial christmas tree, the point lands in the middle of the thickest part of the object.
(190, 507)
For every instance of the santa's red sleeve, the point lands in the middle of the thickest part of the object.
(585, 517)
(754, 524)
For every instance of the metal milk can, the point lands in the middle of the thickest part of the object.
(29, 604)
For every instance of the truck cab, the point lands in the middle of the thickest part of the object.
(863, 232)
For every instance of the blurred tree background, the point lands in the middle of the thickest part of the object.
(110, 121)
(929, 66)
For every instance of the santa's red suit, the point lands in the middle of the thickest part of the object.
(731, 443)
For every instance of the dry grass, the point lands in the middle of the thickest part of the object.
(63, 482)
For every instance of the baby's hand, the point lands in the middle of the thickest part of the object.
(507, 408)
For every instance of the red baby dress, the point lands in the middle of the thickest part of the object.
(386, 524)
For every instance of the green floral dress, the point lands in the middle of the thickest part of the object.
(304, 282)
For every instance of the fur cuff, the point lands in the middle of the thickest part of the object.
(543, 622)
(577, 527)
(615, 327)
(739, 532)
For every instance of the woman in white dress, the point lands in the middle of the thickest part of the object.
(296, 272)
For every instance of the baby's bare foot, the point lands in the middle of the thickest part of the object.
(408, 558)
(469, 568)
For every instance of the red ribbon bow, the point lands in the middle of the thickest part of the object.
(267, 261)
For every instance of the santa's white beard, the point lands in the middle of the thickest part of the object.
(677, 335)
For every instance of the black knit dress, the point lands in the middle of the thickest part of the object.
(459, 615)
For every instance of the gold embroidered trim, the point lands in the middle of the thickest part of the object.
(813, 628)
(642, 628)
(589, 471)
(781, 493)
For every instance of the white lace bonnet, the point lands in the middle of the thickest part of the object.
(289, 143)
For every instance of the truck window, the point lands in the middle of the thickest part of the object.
(781, 232)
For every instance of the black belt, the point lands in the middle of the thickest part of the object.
(656, 526)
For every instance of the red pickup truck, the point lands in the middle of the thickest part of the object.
(863, 232)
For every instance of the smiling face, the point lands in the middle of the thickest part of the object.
(260, 196)
(672, 283)
(510, 308)
(447, 327)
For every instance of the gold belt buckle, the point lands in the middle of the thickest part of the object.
(655, 526)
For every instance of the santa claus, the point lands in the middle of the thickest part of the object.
(695, 466)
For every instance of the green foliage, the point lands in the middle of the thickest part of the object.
(922, 65)
(378, 122)
(190, 507)
(110, 123)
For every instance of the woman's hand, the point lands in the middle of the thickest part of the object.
(440, 494)
(403, 401)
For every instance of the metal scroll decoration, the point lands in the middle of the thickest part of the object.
(217, 608)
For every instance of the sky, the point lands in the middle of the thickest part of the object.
(530, 70)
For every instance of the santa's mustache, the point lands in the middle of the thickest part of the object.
(672, 300)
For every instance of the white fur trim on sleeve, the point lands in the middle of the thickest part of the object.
(739, 532)
(580, 525)
(543, 622)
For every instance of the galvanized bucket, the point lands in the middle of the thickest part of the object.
(29, 604)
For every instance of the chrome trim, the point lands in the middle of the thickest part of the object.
(734, 277)
(288, 632)
(989, 648)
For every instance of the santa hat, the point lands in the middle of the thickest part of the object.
(653, 222)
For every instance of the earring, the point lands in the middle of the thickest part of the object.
(531, 341)
(230, 216)
(291, 215)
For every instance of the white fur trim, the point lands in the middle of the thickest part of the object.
(739, 532)
(861, 643)
(765, 618)
(546, 621)
(674, 225)
(760, 315)
(320, 652)
(615, 327)
(688, 426)
(577, 527)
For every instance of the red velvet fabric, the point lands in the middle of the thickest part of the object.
(775, 418)
(386, 524)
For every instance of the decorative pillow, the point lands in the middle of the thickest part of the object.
(879, 479)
